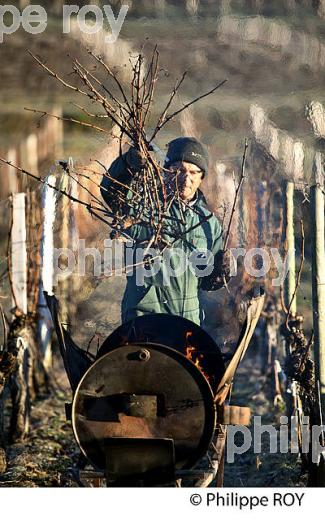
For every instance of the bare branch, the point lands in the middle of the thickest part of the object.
(171, 116)
(162, 118)
(69, 119)
(92, 210)
(242, 178)
(143, 193)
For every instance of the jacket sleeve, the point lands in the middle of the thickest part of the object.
(114, 192)
(217, 243)
(221, 268)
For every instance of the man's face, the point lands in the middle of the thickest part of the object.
(186, 178)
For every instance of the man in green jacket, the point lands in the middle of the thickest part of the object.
(196, 259)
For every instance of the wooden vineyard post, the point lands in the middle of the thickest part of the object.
(224, 7)
(29, 157)
(56, 139)
(316, 115)
(63, 283)
(11, 172)
(318, 287)
(19, 252)
(160, 7)
(27, 376)
(290, 281)
(192, 7)
(74, 241)
(321, 8)
(69, 236)
(318, 275)
(45, 327)
(19, 283)
(65, 244)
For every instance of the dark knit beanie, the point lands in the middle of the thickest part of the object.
(187, 149)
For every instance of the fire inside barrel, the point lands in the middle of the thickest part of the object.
(193, 355)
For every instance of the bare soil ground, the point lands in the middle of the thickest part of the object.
(263, 469)
(45, 458)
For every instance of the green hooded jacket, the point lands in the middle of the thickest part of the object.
(170, 284)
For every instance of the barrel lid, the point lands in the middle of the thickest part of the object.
(144, 391)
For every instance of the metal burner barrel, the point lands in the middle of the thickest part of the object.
(175, 332)
(141, 411)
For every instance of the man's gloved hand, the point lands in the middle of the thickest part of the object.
(223, 264)
(135, 160)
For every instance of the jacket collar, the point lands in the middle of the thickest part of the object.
(198, 199)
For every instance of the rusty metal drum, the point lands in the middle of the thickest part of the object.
(148, 395)
(175, 332)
